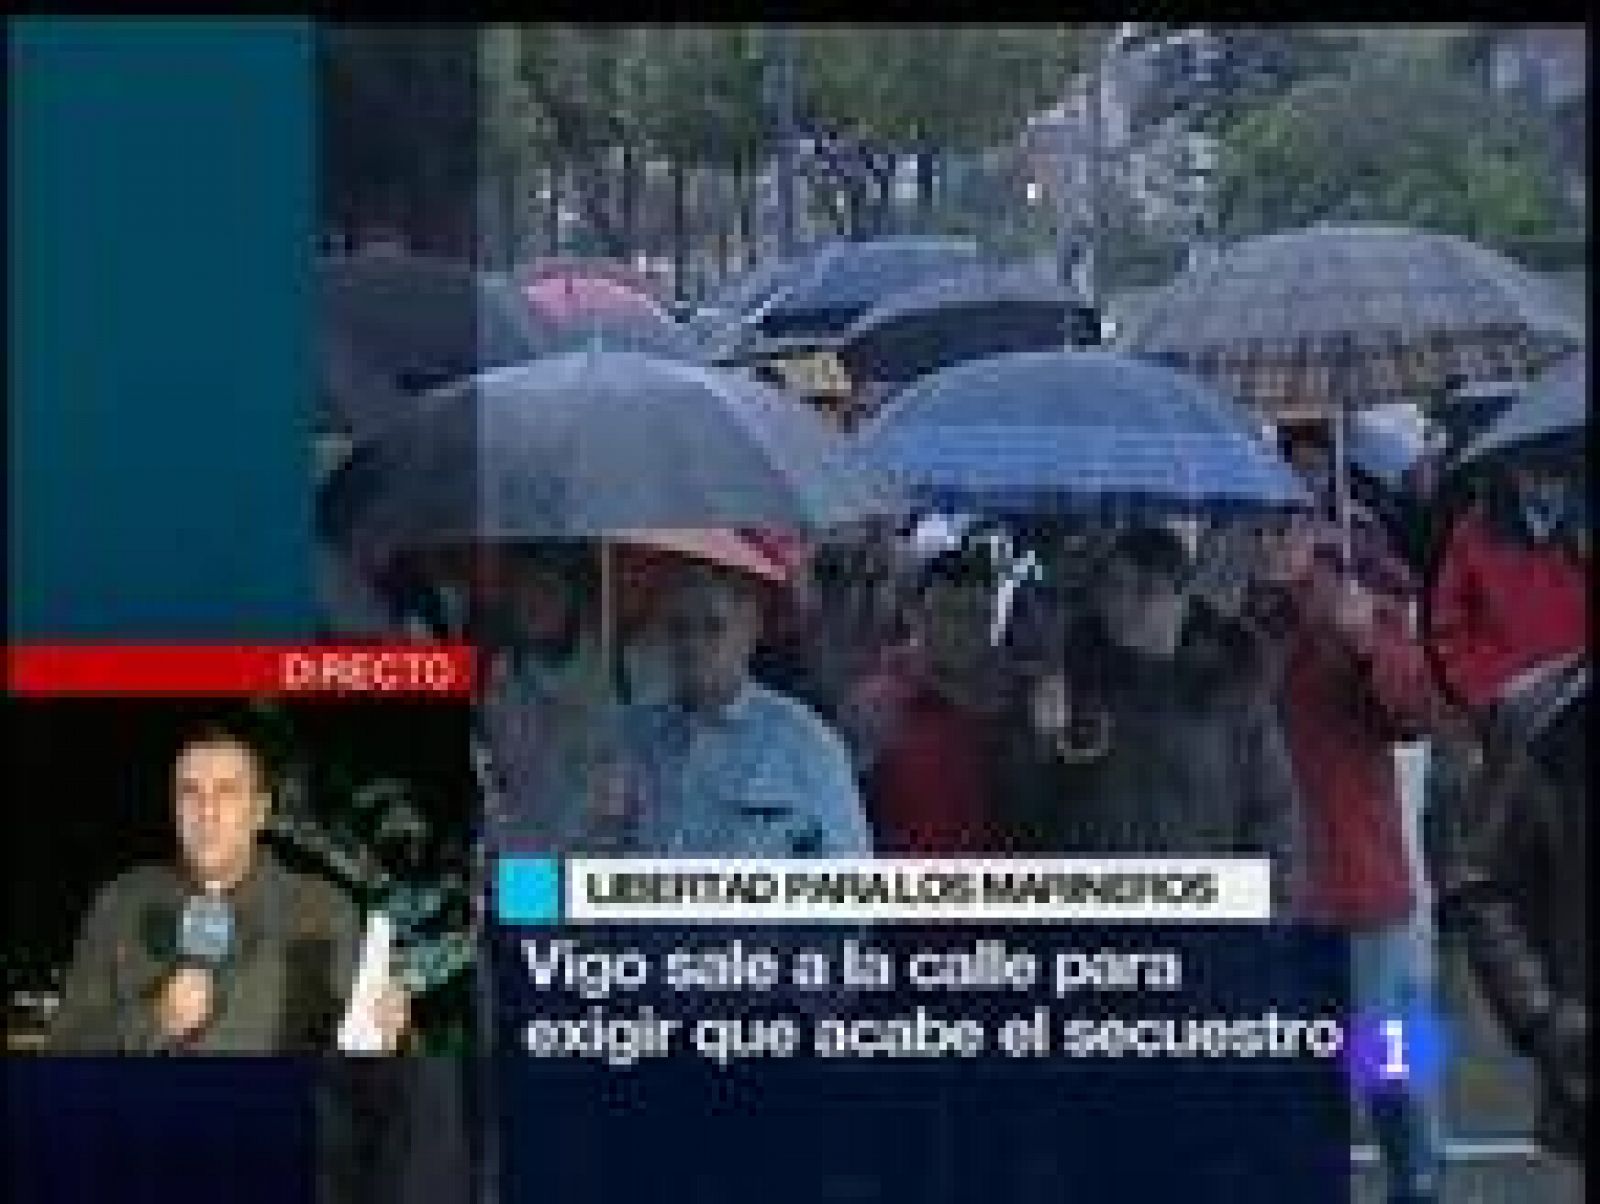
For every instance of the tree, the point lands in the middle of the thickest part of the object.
(1397, 141)
(700, 105)
(580, 82)
(932, 90)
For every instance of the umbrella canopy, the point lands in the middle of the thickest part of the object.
(1074, 432)
(945, 321)
(713, 545)
(646, 560)
(1472, 408)
(588, 443)
(589, 266)
(571, 297)
(742, 294)
(1553, 416)
(1341, 316)
(572, 311)
(823, 292)
(420, 322)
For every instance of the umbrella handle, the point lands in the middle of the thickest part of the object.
(1341, 458)
(608, 615)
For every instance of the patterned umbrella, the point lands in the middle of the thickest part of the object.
(1087, 432)
(1334, 317)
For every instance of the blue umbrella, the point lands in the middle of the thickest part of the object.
(590, 443)
(822, 293)
(1552, 416)
(1075, 432)
(742, 294)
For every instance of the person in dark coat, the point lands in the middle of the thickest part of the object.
(288, 945)
(1157, 736)
(1512, 874)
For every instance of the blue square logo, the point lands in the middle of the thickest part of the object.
(528, 890)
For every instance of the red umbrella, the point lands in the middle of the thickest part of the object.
(644, 558)
(574, 309)
(588, 266)
(787, 549)
(567, 299)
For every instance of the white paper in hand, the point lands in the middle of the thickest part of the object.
(359, 1031)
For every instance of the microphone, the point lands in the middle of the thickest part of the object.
(205, 941)
(205, 930)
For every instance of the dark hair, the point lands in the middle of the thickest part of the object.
(240, 729)
(571, 560)
(1304, 434)
(1154, 550)
(954, 566)
(698, 573)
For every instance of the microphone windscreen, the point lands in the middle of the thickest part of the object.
(205, 929)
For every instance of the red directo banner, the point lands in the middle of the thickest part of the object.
(442, 670)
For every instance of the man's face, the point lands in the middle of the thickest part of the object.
(953, 620)
(711, 627)
(1287, 550)
(221, 805)
(1540, 486)
(1310, 460)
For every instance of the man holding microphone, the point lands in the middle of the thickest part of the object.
(224, 950)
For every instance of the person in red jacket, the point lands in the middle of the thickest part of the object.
(1512, 588)
(1351, 681)
(926, 724)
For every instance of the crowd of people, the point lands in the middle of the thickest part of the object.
(1154, 687)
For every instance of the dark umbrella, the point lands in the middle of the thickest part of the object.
(411, 323)
(742, 294)
(823, 292)
(943, 322)
(586, 443)
(1470, 409)
(423, 320)
(1076, 432)
(1552, 417)
(1334, 317)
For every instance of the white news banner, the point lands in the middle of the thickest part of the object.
(359, 1032)
(942, 890)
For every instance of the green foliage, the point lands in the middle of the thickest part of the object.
(695, 96)
(1402, 141)
(1268, 61)
(912, 88)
